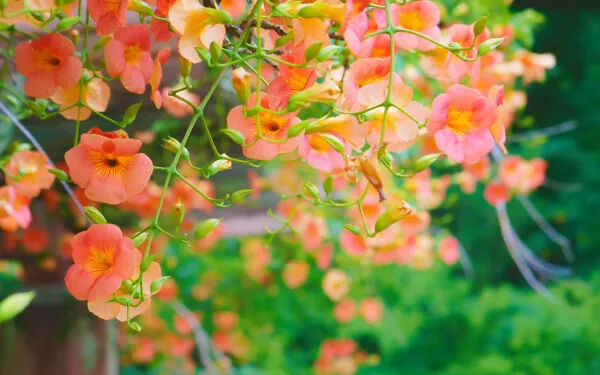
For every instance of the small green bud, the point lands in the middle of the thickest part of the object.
(205, 227)
(94, 215)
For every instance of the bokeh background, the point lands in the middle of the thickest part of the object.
(438, 321)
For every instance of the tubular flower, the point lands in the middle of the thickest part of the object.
(421, 16)
(96, 95)
(28, 172)
(461, 121)
(319, 154)
(161, 57)
(290, 80)
(14, 210)
(199, 27)
(127, 56)
(48, 63)
(271, 126)
(108, 15)
(108, 166)
(103, 259)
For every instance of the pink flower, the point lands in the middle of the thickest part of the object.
(28, 172)
(103, 260)
(96, 95)
(272, 126)
(401, 131)
(460, 122)
(295, 273)
(371, 310)
(14, 210)
(365, 72)
(48, 63)
(176, 107)
(421, 16)
(127, 56)
(496, 193)
(108, 166)
(522, 176)
(319, 155)
(108, 15)
(161, 57)
(336, 284)
(290, 79)
(345, 310)
(449, 250)
(160, 29)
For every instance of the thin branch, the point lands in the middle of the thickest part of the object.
(546, 132)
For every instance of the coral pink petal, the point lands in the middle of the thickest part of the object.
(104, 310)
(448, 142)
(80, 248)
(477, 144)
(25, 59)
(79, 282)
(439, 113)
(127, 146)
(107, 24)
(125, 260)
(80, 166)
(261, 150)
(69, 72)
(133, 80)
(138, 174)
(40, 84)
(106, 233)
(106, 189)
(114, 56)
(104, 287)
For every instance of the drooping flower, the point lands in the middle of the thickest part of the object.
(319, 154)
(28, 172)
(48, 63)
(449, 250)
(522, 176)
(420, 16)
(103, 259)
(363, 73)
(14, 209)
(198, 26)
(95, 95)
(108, 166)
(460, 122)
(271, 126)
(108, 15)
(160, 29)
(128, 57)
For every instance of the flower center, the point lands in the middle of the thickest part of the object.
(134, 55)
(112, 6)
(297, 81)
(459, 122)
(100, 260)
(46, 59)
(411, 20)
(109, 164)
(271, 125)
(318, 144)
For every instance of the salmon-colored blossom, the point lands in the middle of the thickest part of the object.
(496, 193)
(319, 154)
(460, 121)
(14, 209)
(522, 176)
(345, 310)
(161, 57)
(94, 93)
(371, 310)
(197, 27)
(271, 126)
(335, 284)
(108, 167)
(420, 16)
(128, 57)
(449, 250)
(28, 172)
(108, 15)
(103, 259)
(176, 107)
(48, 63)
(295, 273)
(290, 80)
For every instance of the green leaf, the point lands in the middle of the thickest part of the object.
(235, 136)
(131, 113)
(66, 23)
(352, 228)
(60, 174)
(328, 185)
(6, 132)
(312, 51)
(284, 39)
(14, 304)
(424, 162)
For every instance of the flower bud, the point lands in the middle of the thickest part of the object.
(139, 239)
(173, 145)
(59, 173)
(218, 166)
(157, 284)
(241, 81)
(140, 7)
(322, 9)
(326, 92)
(94, 215)
(177, 213)
(393, 215)
(185, 67)
(205, 227)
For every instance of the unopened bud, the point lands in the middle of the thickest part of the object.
(173, 145)
(185, 67)
(94, 215)
(177, 213)
(241, 81)
(326, 92)
(393, 215)
(140, 7)
(218, 166)
(205, 227)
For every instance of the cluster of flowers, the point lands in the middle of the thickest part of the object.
(319, 85)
